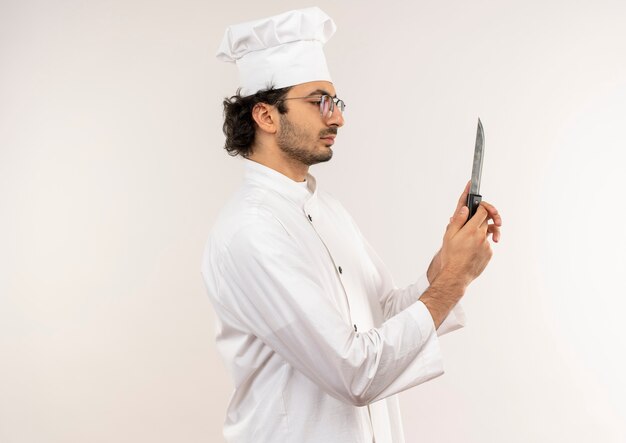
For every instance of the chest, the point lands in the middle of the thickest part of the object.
(335, 247)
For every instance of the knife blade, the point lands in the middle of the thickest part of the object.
(474, 198)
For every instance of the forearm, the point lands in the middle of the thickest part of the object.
(442, 295)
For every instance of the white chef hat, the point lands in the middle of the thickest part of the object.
(279, 51)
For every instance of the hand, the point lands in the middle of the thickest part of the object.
(492, 229)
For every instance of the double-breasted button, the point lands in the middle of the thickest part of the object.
(310, 218)
(340, 270)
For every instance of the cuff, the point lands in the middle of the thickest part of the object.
(455, 320)
(422, 317)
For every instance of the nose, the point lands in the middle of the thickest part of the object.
(336, 118)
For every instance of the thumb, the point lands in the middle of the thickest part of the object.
(457, 221)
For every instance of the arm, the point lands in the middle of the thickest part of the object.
(456, 317)
(464, 255)
(395, 299)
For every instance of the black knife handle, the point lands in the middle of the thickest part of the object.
(473, 202)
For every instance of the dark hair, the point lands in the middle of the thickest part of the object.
(239, 126)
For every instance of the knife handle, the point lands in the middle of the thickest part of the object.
(473, 202)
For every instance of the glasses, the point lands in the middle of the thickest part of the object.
(326, 102)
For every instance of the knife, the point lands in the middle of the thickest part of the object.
(474, 198)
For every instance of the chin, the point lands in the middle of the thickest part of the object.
(320, 158)
(326, 157)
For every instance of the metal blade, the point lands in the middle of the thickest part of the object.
(477, 167)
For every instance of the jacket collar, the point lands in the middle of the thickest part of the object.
(266, 177)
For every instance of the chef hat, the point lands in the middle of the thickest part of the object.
(279, 51)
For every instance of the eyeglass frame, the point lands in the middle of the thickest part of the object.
(333, 101)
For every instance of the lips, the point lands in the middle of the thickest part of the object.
(329, 139)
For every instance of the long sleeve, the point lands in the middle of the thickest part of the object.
(272, 290)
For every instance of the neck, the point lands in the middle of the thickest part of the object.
(294, 170)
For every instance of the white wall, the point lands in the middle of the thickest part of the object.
(111, 172)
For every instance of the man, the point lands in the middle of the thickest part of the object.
(316, 335)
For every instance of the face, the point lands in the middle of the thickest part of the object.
(304, 135)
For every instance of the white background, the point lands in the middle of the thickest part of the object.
(112, 172)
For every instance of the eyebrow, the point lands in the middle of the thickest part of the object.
(322, 92)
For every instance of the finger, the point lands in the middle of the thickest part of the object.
(495, 231)
(493, 213)
(484, 226)
(478, 218)
(463, 198)
(456, 222)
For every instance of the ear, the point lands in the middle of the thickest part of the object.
(265, 116)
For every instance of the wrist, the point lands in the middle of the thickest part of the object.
(452, 280)
(443, 294)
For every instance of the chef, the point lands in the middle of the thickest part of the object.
(317, 337)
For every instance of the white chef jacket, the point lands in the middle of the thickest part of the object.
(316, 335)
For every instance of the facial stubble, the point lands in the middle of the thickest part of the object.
(294, 140)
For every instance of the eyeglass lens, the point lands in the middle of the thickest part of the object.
(327, 105)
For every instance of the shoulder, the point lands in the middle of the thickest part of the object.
(244, 218)
(241, 232)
